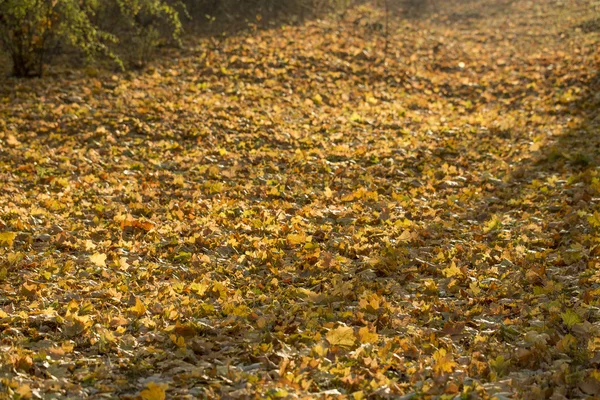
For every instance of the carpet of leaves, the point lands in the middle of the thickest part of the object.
(293, 213)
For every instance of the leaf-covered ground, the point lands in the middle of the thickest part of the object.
(293, 213)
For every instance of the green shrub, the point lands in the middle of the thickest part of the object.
(141, 26)
(32, 30)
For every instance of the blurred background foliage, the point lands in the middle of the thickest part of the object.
(126, 32)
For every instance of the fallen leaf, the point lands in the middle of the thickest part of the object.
(367, 336)
(451, 271)
(444, 362)
(342, 336)
(139, 309)
(7, 238)
(25, 391)
(98, 259)
(154, 391)
(294, 239)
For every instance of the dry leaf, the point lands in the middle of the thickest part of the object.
(444, 362)
(98, 259)
(367, 336)
(139, 309)
(7, 238)
(342, 336)
(154, 391)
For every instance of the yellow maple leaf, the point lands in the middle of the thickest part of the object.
(296, 238)
(154, 391)
(139, 308)
(7, 238)
(451, 271)
(366, 336)
(444, 362)
(99, 259)
(342, 336)
(199, 288)
(594, 219)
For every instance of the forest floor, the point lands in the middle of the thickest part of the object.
(292, 212)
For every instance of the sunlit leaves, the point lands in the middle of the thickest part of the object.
(296, 239)
(268, 219)
(99, 259)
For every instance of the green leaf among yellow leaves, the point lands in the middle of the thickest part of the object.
(570, 318)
